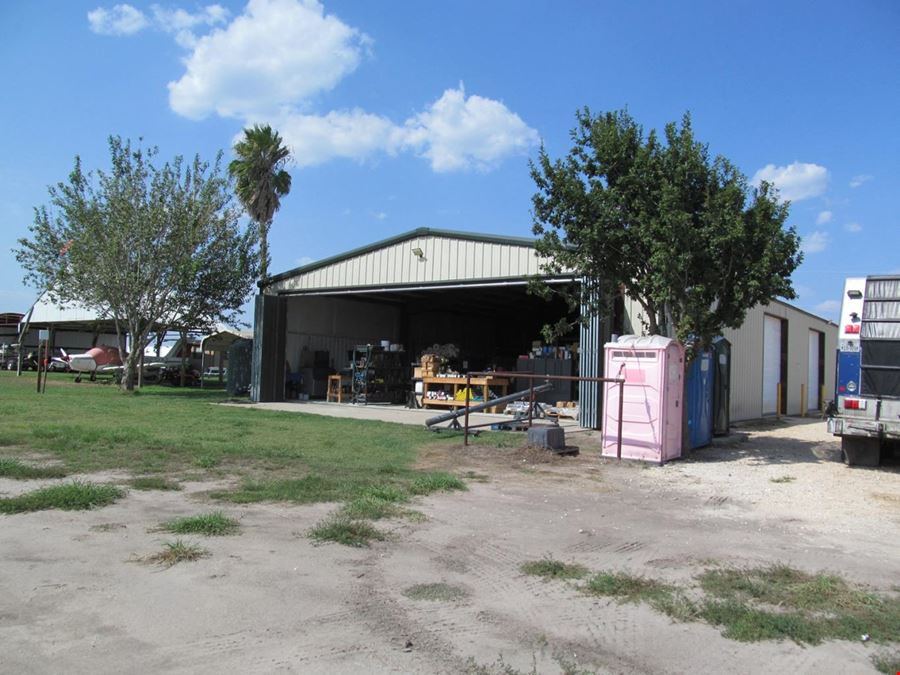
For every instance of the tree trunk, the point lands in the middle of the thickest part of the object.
(184, 348)
(263, 251)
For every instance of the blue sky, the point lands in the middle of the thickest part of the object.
(405, 114)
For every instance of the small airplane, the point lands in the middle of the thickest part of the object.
(100, 359)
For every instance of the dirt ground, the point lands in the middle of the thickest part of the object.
(72, 599)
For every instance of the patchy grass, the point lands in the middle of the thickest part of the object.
(72, 496)
(783, 479)
(13, 468)
(276, 456)
(269, 449)
(376, 503)
(547, 569)
(342, 530)
(371, 508)
(750, 605)
(781, 602)
(214, 524)
(435, 482)
(744, 623)
(207, 461)
(175, 552)
(626, 588)
(887, 662)
(440, 592)
(154, 483)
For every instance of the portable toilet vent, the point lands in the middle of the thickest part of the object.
(653, 369)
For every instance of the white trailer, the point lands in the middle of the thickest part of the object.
(866, 411)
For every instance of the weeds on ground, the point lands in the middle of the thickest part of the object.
(664, 598)
(783, 479)
(154, 483)
(766, 603)
(72, 496)
(887, 662)
(13, 468)
(547, 568)
(779, 601)
(175, 552)
(435, 482)
(435, 592)
(214, 524)
(207, 461)
(342, 530)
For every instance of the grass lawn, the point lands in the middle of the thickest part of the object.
(174, 432)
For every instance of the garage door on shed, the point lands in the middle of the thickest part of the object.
(772, 359)
(814, 376)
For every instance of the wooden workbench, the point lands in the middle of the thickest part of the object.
(458, 383)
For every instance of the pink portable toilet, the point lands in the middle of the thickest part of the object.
(653, 368)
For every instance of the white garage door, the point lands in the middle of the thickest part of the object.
(812, 378)
(771, 364)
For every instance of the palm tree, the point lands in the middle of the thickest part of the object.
(261, 181)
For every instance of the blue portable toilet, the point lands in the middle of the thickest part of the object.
(699, 400)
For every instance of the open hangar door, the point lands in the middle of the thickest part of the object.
(492, 325)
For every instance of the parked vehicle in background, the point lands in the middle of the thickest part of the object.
(9, 358)
(866, 410)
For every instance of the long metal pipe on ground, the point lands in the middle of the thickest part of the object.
(509, 398)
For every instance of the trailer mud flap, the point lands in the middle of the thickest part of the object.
(861, 451)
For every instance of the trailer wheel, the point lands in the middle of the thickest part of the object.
(861, 450)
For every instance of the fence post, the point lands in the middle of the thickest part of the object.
(621, 409)
(778, 396)
(804, 404)
(466, 429)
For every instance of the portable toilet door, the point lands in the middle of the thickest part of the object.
(699, 400)
(721, 349)
(653, 370)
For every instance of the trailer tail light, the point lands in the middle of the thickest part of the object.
(850, 328)
(854, 404)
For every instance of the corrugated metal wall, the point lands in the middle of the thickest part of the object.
(590, 365)
(445, 260)
(747, 356)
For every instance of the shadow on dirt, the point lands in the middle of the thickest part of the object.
(772, 441)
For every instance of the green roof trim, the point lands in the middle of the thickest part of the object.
(412, 234)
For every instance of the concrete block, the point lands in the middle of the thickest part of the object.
(552, 438)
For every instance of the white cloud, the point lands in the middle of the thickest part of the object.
(182, 24)
(354, 134)
(815, 242)
(795, 181)
(824, 217)
(853, 227)
(120, 20)
(829, 308)
(278, 54)
(856, 181)
(453, 133)
(379, 215)
(305, 260)
(270, 63)
(456, 132)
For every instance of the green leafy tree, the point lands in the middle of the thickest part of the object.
(682, 234)
(143, 244)
(261, 181)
